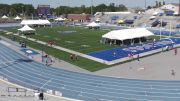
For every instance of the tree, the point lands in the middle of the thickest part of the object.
(164, 3)
(149, 7)
(160, 4)
(157, 4)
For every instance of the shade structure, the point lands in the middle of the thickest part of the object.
(98, 20)
(121, 21)
(175, 13)
(128, 34)
(35, 22)
(17, 18)
(4, 17)
(26, 28)
(152, 17)
(60, 19)
(155, 13)
(93, 24)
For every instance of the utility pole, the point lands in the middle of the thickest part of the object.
(145, 4)
(179, 7)
(92, 10)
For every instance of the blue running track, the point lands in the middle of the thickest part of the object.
(83, 86)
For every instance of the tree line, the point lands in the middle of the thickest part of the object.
(29, 9)
(157, 4)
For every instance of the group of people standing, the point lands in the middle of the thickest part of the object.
(73, 57)
(47, 59)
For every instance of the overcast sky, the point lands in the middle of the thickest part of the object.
(55, 3)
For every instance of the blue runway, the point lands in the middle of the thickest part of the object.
(83, 86)
(108, 55)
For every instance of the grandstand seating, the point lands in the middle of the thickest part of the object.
(83, 86)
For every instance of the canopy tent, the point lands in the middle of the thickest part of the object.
(17, 18)
(155, 13)
(152, 17)
(128, 34)
(98, 20)
(121, 21)
(26, 28)
(93, 25)
(35, 22)
(175, 13)
(4, 17)
(60, 19)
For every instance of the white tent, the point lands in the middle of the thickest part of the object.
(175, 13)
(128, 34)
(98, 20)
(35, 22)
(60, 19)
(4, 17)
(93, 24)
(17, 18)
(26, 28)
(152, 17)
(155, 13)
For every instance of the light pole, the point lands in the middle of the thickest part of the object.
(145, 4)
(22, 11)
(92, 10)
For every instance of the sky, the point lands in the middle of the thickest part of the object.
(55, 3)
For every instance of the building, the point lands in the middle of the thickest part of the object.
(170, 9)
(43, 10)
(79, 17)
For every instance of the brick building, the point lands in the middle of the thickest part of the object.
(79, 17)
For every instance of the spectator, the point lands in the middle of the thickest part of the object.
(172, 72)
(71, 56)
(138, 57)
(175, 51)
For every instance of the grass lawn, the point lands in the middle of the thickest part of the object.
(80, 39)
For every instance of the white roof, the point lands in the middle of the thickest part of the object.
(98, 19)
(176, 13)
(93, 24)
(112, 13)
(152, 17)
(128, 34)
(60, 19)
(26, 28)
(4, 17)
(155, 13)
(35, 22)
(17, 18)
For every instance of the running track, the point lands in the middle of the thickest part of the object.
(83, 86)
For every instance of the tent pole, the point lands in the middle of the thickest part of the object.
(161, 29)
(131, 41)
(140, 40)
(122, 43)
